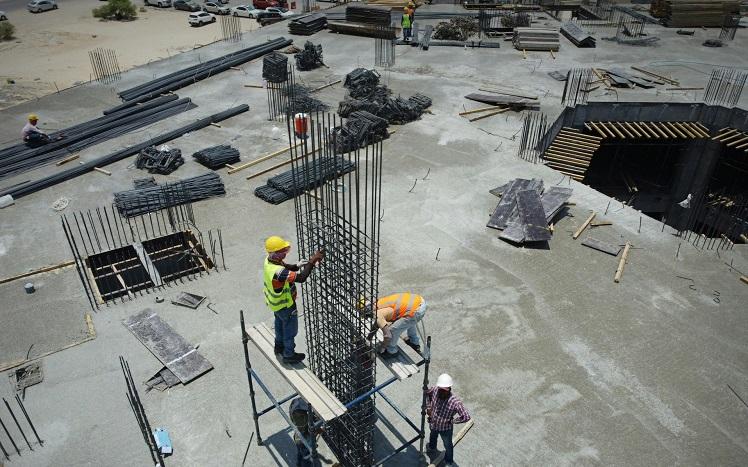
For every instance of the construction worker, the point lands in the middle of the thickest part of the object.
(406, 24)
(33, 136)
(412, 13)
(299, 410)
(280, 294)
(444, 409)
(398, 313)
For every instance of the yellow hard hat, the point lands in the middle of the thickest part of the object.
(33, 117)
(405, 8)
(276, 243)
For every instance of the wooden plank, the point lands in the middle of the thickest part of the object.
(655, 130)
(64, 264)
(702, 127)
(455, 439)
(121, 280)
(738, 141)
(104, 171)
(686, 130)
(583, 226)
(325, 86)
(744, 279)
(667, 80)
(623, 128)
(676, 130)
(643, 129)
(593, 139)
(567, 168)
(178, 355)
(622, 263)
(576, 162)
(611, 126)
(261, 159)
(306, 384)
(67, 159)
(664, 127)
(597, 129)
(94, 286)
(731, 137)
(482, 109)
(480, 117)
(277, 166)
(570, 153)
(507, 205)
(576, 142)
(633, 130)
(402, 367)
(601, 246)
(722, 135)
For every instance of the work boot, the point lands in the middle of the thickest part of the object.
(413, 346)
(389, 355)
(278, 349)
(295, 358)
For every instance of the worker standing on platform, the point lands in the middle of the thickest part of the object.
(406, 24)
(444, 409)
(398, 313)
(280, 294)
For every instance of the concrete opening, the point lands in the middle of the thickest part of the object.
(118, 273)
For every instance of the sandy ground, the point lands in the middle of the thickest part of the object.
(50, 51)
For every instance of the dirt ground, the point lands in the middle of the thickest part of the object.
(50, 51)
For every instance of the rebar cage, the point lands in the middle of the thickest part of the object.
(341, 217)
(121, 257)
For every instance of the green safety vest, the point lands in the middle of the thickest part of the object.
(276, 301)
(406, 21)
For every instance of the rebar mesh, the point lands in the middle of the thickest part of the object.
(342, 217)
(106, 66)
(725, 86)
(534, 133)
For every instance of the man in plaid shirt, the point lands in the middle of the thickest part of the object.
(444, 409)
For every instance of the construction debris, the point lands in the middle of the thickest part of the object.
(163, 160)
(457, 29)
(309, 58)
(525, 210)
(216, 157)
(599, 245)
(188, 300)
(286, 186)
(308, 24)
(542, 39)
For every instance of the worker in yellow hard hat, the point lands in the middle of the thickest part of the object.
(280, 280)
(32, 135)
(406, 23)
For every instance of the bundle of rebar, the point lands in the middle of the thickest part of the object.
(275, 68)
(457, 29)
(144, 200)
(725, 86)
(576, 87)
(366, 94)
(359, 29)
(361, 129)
(309, 58)
(36, 185)
(356, 13)
(361, 78)
(348, 106)
(216, 157)
(162, 160)
(20, 158)
(190, 75)
(308, 176)
(299, 100)
(308, 24)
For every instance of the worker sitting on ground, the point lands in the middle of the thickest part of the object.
(398, 313)
(444, 409)
(33, 136)
(280, 294)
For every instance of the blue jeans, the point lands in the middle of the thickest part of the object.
(446, 437)
(286, 328)
(406, 325)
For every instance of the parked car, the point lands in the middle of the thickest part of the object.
(262, 4)
(246, 11)
(268, 17)
(222, 2)
(37, 6)
(158, 3)
(200, 18)
(213, 7)
(281, 11)
(186, 5)
(2, 16)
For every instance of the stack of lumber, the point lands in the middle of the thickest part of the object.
(577, 35)
(535, 39)
(368, 14)
(525, 210)
(571, 151)
(649, 130)
(308, 24)
(732, 138)
(394, 4)
(697, 13)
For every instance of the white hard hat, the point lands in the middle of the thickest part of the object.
(444, 381)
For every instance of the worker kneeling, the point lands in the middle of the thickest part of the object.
(398, 313)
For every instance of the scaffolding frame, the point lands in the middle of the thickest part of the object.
(315, 423)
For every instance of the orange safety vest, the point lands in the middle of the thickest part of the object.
(404, 304)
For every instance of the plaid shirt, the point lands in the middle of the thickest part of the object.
(442, 411)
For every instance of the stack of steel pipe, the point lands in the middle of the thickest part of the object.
(20, 158)
(368, 14)
(36, 185)
(216, 157)
(140, 201)
(195, 73)
(308, 24)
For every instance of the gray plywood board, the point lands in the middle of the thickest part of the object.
(506, 209)
(170, 348)
(601, 246)
(531, 214)
(499, 190)
(553, 199)
(514, 232)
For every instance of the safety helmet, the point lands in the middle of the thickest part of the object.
(33, 117)
(276, 243)
(406, 8)
(444, 381)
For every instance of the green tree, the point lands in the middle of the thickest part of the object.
(6, 31)
(119, 10)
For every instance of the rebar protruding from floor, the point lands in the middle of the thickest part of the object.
(534, 139)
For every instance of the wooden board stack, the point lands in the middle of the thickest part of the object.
(571, 152)
(542, 39)
(697, 13)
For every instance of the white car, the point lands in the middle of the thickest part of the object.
(217, 8)
(246, 11)
(201, 17)
(37, 6)
(282, 11)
